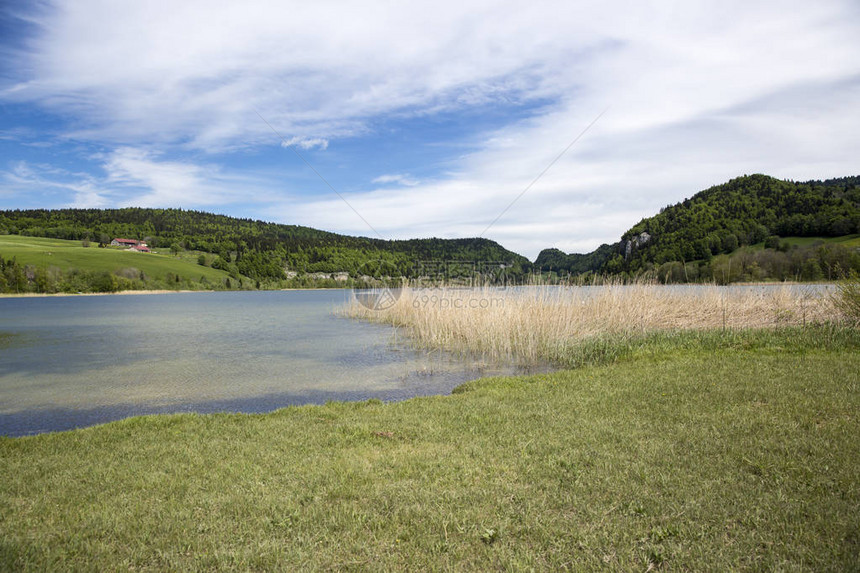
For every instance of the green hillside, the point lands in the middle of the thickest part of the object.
(59, 265)
(745, 211)
(851, 241)
(810, 229)
(257, 249)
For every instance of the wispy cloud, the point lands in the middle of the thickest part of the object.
(306, 142)
(139, 178)
(399, 178)
(51, 186)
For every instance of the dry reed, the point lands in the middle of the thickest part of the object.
(534, 324)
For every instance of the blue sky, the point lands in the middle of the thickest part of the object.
(428, 118)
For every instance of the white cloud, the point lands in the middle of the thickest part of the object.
(306, 142)
(24, 179)
(147, 182)
(399, 178)
(698, 93)
(138, 178)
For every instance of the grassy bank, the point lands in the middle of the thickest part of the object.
(738, 450)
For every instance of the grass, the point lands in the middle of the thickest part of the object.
(851, 241)
(65, 255)
(734, 452)
(846, 299)
(847, 240)
(542, 323)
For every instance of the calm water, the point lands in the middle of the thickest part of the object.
(68, 362)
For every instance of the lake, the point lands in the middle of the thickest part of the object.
(74, 361)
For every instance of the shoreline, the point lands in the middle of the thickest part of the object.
(166, 291)
(122, 292)
(150, 291)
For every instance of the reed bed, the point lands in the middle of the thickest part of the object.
(529, 325)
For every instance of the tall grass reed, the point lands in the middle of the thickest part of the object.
(541, 323)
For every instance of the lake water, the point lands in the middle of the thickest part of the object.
(68, 362)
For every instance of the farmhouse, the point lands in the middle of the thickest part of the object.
(125, 243)
(131, 244)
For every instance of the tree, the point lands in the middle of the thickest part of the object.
(730, 243)
(811, 271)
(723, 271)
(104, 282)
(176, 248)
(671, 272)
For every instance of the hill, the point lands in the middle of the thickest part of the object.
(746, 211)
(35, 264)
(269, 254)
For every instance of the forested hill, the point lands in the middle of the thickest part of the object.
(255, 248)
(744, 211)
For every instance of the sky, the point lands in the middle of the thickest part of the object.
(535, 124)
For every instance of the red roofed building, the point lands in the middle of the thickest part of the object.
(132, 244)
(125, 243)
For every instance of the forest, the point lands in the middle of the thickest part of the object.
(735, 231)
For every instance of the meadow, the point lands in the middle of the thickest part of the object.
(852, 241)
(65, 255)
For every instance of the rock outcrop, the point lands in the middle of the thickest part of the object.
(634, 243)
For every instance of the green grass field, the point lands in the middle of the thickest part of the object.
(730, 451)
(851, 241)
(41, 252)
